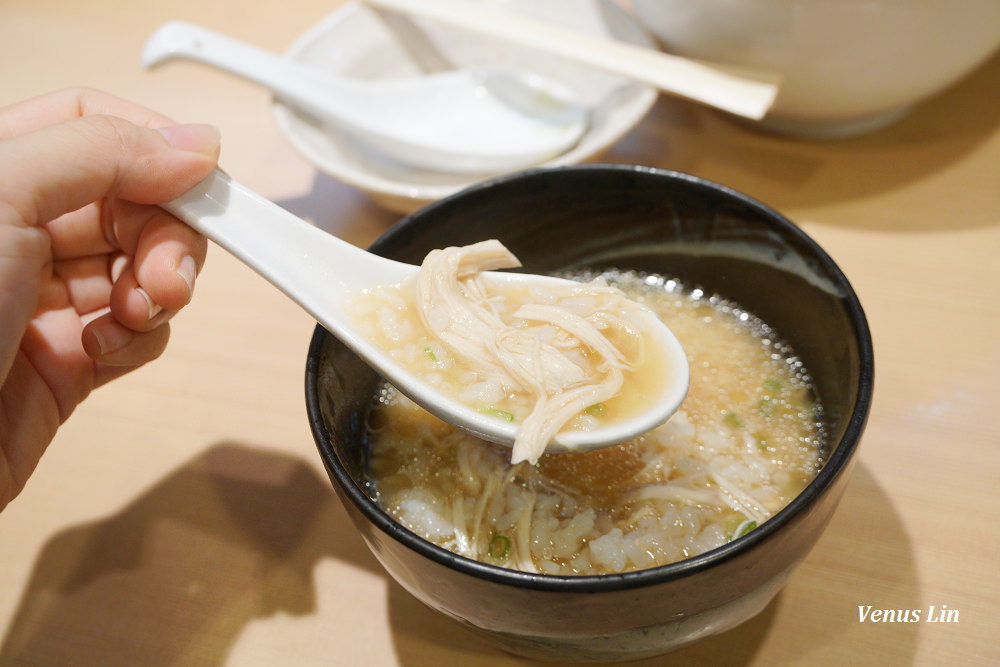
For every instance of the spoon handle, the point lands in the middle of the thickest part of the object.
(310, 89)
(739, 90)
(313, 267)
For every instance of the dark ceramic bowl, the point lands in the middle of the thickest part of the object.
(628, 218)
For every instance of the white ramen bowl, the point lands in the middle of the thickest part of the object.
(849, 66)
(356, 41)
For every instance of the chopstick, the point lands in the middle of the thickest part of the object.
(740, 90)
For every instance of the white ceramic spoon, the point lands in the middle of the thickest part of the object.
(745, 91)
(319, 271)
(474, 121)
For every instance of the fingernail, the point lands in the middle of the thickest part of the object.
(187, 270)
(152, 308)
(111, 338)
(195, 138)
(118, 266)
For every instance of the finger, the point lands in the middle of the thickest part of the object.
(61, 168)
(80, 233)
(119, 262)
(110, 343)
(64, 105)
(86, 282)
(170, 253)
(168, 256)
(109, 225)
(51, 343)
(132, 306)
(52, 292)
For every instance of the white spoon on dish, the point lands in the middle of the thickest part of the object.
(741, 90)
(321, 272)
(468, 120)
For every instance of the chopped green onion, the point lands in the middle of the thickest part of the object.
(596, 410)
(743, 529)
(761, 441)
(765, 406)
(733, 419)
(430, 353)
(499, 414)
(499, 546)
(773, 384)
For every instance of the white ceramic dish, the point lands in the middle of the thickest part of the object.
(848, 67)
(357, 41)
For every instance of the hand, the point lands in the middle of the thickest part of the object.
(90, 269)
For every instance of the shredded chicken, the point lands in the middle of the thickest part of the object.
(688, 486)
(564, 359)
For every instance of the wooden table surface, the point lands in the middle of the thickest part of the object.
(182, 516)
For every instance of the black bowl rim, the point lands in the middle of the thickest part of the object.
(837, 464)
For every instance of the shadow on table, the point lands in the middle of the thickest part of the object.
(814, 620)
(789, 173)
(231, 536)
(176, 576)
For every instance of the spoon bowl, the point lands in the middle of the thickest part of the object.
(320, 272)
(465, 120)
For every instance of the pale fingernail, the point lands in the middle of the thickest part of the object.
(118, 266)
(111, 338)
(195, 138)
(187, 270)
(151, 307)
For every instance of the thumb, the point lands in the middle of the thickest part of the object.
(63, 167)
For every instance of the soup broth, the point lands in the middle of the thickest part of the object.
(388, 317)
(564, 355)
(745, 442)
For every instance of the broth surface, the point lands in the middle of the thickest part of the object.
(745, 442)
